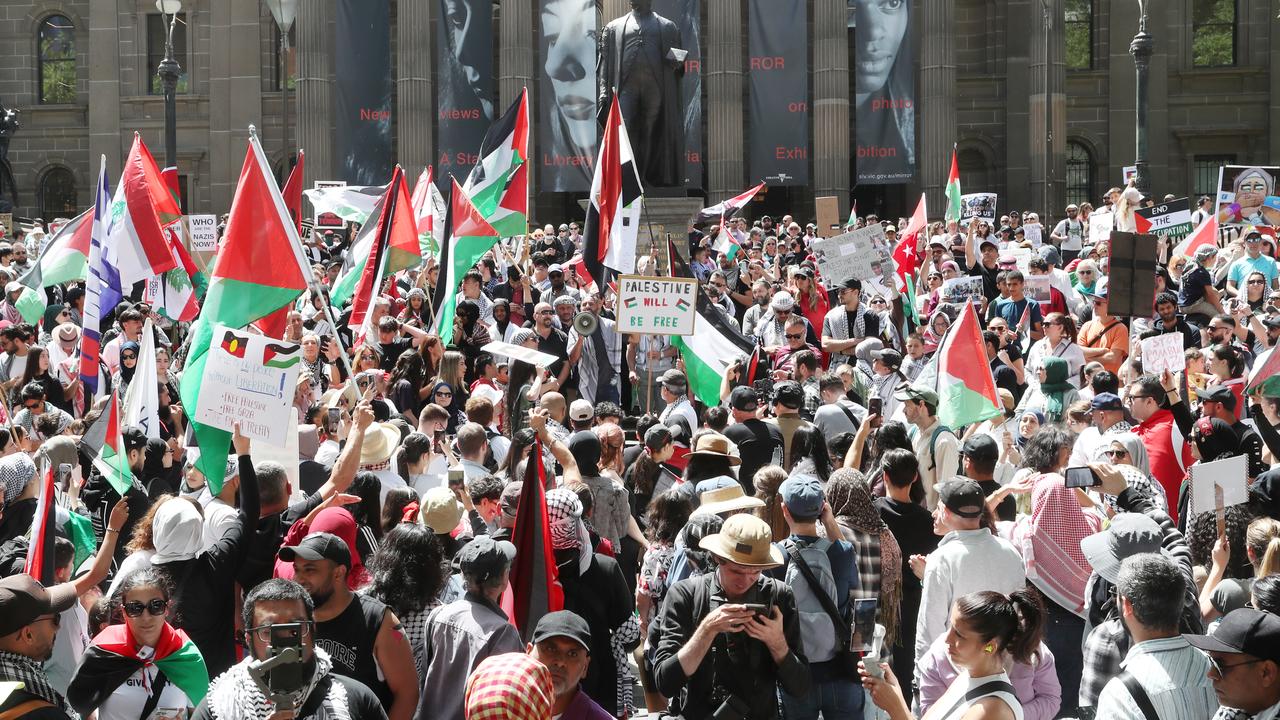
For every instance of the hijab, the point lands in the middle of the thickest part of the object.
(929, 337)
(50, 320)
(177, 531)
(1137, 451)
(1055, 387)
(1020, 441)
(585, 448)
(849, 495)
(126, 373)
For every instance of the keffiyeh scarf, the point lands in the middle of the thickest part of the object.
(564, 518)
(16, 471)
(235, 696)
(1049, 540)
(20, 668)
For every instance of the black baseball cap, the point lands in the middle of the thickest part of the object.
(563, 623)
(962, 496)
(981, 447)
(744, 399)
(318, 546)
(1244, 631)
(485, 557)
(788, 394)
(134, 439)
(1219, 394)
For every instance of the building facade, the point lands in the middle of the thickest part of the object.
(83, 76)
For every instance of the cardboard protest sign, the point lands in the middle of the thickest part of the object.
(286, 455)
(1248, 196)
(957, 290)
(1100, 226)
(249, 379)
(1034, 233)
(1037, 288)
(1163, 352)
(1217, 485)
(1022, 256)
(1170, 219)
(203, 230)
(657, 306)
(864, 254)
(520, 352)
(828, 215)
(981, 206)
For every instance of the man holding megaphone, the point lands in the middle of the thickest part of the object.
(596, 351)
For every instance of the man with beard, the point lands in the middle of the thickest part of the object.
(551, 340)
(760, 295)
(597, 356)
(361, 636)
(1167, 320)
(29, 618)
(279, 612)
(844, 327)
(562, 642)
(556, 287)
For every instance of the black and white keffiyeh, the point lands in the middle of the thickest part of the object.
(20, 668)
(564, 517)
(234, 695)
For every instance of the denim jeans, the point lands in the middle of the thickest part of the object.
(835, 699)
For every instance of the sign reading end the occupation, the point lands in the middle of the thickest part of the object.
(656, 306)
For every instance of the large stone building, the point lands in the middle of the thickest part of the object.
(83, 75)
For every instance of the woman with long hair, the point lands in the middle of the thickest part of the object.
(410, 573)
(418, 464)
(809, 453)
(1227, 366)
(767, 482)
(432, 352)
(393, 507)
(140, 667)
(407, 385)
(642, 478)
(1059, 341)
(1049, 541)
(879, 558)
(1221, 594)
(988, 632)
(453, 370)
(415, 307)
(38, 370)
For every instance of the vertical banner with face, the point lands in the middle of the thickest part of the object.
(363, 68)
(885, 93)
(464, 56)
(687, 15)
(567, 127)
(778, 68)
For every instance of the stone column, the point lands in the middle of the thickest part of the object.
(1122, 106)
(105, 137)
(1019, 53)
(517, 28)
(1046, 78)
(315, 88)
(937, 103)
(415, 56)
(726, 150)
(235, 90)
(831, 101)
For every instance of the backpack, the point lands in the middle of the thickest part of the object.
(818, 636)
(933, 446)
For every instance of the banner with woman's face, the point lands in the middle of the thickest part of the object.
(1248, 196)
(884, 79)
(464, 56)
(567, 127)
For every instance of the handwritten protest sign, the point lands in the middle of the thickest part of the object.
(957, 290)
(249, 379)
(204, 232)
(657, 306)
(1163, 352)
(981, 206)
(1034, 233)
(1100, 226)
(864, 254)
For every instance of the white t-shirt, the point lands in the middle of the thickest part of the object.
(131, 696)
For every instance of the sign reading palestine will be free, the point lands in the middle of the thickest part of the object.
(656, 306)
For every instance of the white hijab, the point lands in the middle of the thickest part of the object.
(177, 531)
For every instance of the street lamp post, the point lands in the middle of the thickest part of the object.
(1141, 49)
(284, 12)
(169, 71)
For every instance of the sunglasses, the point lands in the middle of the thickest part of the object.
(32, 406)
(156, 607)
(1116, 453)
(1222, 670)
(128, 357)
(794, 337)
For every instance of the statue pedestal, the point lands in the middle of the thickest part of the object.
(660, 216)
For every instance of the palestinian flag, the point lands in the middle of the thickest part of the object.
(1264, 379)
(428, 209)
(714, 344)
(1205, 234)
(354, 203)
(104, 443)
(395, 246)
(64, 259)
(727, 241)
(535, 587)
(467, 237)
(234, 345)
(966, 390)
(852, 222)
(729, 208)
(277, 356)
(259, 270)
(613, 211)
(112, 658)
(499, 184)
(40, 553)
(953, 189)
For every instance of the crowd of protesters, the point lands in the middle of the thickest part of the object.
(812, 542)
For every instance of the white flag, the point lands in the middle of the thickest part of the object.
(142, 399)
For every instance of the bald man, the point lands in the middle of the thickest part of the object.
(553, 403)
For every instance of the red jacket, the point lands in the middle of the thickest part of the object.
(1168, 452)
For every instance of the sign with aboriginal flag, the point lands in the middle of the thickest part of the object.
(657, 305)
(249, 379)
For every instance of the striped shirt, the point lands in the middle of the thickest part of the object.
(1175, 677)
